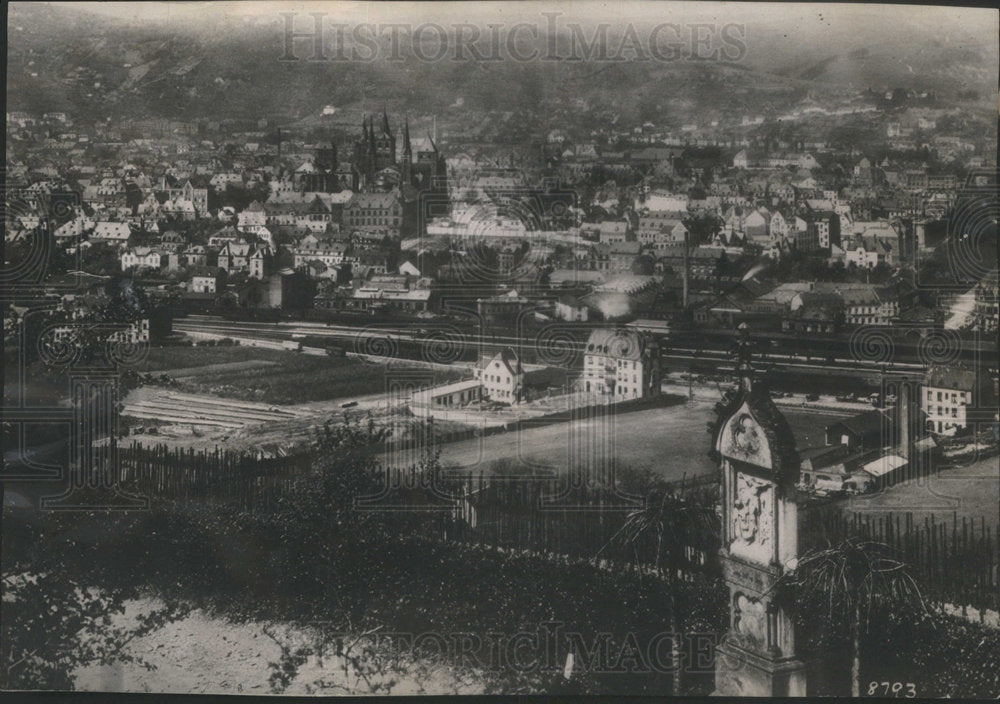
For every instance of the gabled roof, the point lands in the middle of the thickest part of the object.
(621, 343)
(864, 424)
(506, 357)
(959, 378)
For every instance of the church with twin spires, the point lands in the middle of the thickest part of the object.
(381, 161)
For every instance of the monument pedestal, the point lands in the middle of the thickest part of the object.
(760, 467)
(742, 673)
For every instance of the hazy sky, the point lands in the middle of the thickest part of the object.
(583, 11)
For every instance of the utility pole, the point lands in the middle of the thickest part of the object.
(691, 377)
(685, 274)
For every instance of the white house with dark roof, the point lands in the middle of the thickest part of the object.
(116, 232)
(502, 377)
(946, 395)
(620, 363)
(143, 258)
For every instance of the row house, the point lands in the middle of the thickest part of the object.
(331, 254)
(285, 213)
(942, 182)
(783, 192)
(110, 186)
(867, 304)
(658, 227)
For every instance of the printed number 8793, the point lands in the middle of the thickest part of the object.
(906, 690)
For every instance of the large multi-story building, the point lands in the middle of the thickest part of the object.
(866, 304)
(948, 393)
(822, 231)
(986, 311)
(380, 213)
(621, 364)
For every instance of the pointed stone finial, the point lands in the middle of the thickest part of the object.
(744, 366)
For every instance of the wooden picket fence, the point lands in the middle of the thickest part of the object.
(245, 480)
(552, 515)
(574, 519)
(955, 562)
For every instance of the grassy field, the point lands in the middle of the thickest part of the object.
(671, 441)
(971, 491)
(269, 376)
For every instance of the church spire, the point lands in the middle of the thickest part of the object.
(385, 122)
(407, 152)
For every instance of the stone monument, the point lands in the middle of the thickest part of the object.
(760, 468)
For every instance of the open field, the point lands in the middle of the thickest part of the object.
(971, 491)
(672, 441)
(208, 369)
(269, 376)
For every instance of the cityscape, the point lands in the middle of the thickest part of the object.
(518, 348)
